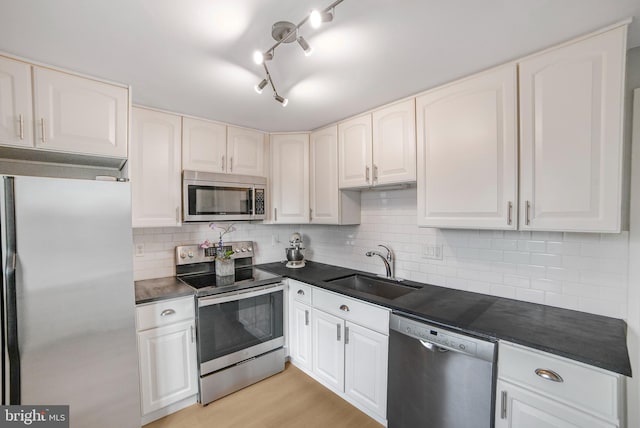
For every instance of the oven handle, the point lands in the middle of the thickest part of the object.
(240, 295)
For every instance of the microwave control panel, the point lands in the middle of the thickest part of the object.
(259, 200)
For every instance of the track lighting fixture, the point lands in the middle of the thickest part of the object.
(287, 32)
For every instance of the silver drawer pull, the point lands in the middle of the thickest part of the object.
(549, 375)
(344, 308)
(21, 123)
(300, 292)
(167, 312)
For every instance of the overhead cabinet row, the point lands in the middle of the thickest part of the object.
(58, 112)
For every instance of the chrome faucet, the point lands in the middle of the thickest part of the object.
(387, 260)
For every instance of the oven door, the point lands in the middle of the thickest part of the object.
(239, 326)
(225, 201)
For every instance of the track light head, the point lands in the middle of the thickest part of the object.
(281, 100)
(308, 50)
(259, 57)
(317, 18)
(260, 86)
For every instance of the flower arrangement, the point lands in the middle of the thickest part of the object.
(222, 230)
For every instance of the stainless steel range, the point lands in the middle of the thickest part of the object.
(239, 322)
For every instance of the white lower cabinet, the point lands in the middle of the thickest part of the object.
(328, 349)
(300, 335)
(167, 357)
(539, 390)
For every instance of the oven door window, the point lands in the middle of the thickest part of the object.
(218, 200)
(228, 327)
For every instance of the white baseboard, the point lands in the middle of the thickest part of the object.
(171, 408)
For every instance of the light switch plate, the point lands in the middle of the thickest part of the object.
(432, 251)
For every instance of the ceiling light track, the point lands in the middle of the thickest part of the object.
(287, 32)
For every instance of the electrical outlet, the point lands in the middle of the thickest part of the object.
(139, 250)
(432, 251)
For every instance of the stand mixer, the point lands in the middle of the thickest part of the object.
(294, 252)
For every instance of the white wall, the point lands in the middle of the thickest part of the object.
(586, 272)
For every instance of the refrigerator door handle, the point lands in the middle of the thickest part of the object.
(11, 319)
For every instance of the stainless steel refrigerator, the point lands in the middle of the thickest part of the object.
(68, 299)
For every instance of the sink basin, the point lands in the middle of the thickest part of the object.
(376, 286)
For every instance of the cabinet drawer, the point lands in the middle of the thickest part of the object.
(592, 389)
(164, 312)
(365, 314)
(300, 291)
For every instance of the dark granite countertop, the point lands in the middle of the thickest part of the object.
(592, 339)
(151, 290)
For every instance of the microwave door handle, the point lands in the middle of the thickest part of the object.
(252, 193)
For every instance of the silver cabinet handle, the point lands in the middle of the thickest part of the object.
(503, 405)
(300, 292)
(366, 173)
(375, 172)
(344, 308)
(222, 164)
(193, 336)
(231, 164)
(310, 214)
(527, 208)
(509, 211)
(21, 125)
(306, 317)
(549, 375)
(275, 214)
(346, 335)
(339, 328)
(167, 312)
(43, 129)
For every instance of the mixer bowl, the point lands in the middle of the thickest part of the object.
(294, 254)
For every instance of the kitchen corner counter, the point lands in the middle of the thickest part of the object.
(592, 339)
(151, 290)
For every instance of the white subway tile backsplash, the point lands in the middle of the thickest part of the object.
(580, 271)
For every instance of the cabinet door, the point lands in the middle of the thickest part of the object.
(328, 349)
(354, 153)
(571, 135)
(204, 145)
(394, 144)
(79, 115)
(366, 354)
(16, 117)
(290, 178)
(467, 152)
(245, 149)
(154, 168)
(520, 408)
(324, 193)
(300, 335)
(167, 365)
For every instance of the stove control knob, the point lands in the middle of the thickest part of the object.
(244, 250)
(249, 249)
(183, 255)
(190, 254)
(237, 250)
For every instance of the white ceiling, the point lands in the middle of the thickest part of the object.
(194, 56)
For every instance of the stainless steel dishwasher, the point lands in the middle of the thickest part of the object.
(438, 378)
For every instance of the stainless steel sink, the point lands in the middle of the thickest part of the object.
(377, 286)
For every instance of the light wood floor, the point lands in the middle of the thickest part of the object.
(290, 399)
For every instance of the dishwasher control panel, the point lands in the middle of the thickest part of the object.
(442, 338)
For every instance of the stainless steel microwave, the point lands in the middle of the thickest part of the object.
(222, 197)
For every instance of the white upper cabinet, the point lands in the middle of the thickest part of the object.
(16, 109)
(394, 144)
(378, 149)
(571, 103)
(213, 147)
(328, 204)
(204, 145)
(467, 152)
(354, 152)
(245, 151)
(290, 178)
(79, 115)
(154, 168)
